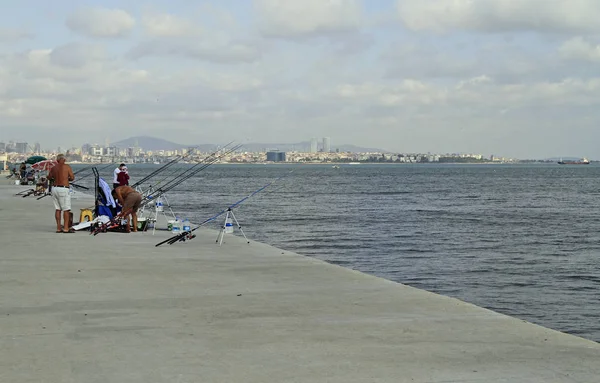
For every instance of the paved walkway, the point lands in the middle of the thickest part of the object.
(114, 308)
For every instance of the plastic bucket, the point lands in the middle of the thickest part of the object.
(142, 223)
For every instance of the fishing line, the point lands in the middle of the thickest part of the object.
(187, 234)
(186, 174)
(182, 171)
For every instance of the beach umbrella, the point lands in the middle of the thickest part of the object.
(44, 165)
(34, 159)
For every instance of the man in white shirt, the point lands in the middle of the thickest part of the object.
(116, 174)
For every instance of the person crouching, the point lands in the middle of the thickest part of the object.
(131, 201)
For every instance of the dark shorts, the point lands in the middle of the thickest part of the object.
(132, 201)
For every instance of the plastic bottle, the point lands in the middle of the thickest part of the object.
(176, 226)
(228, 226)
(186, 225)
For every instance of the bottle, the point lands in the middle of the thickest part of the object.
(176, 226)
(186, 225)
(228, 226)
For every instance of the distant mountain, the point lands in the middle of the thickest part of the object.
(153, 143)
(305, 147)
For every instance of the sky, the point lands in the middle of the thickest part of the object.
(504, 77)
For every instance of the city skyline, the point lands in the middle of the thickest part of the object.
(400, 75)
(313, 145)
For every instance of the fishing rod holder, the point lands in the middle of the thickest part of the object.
(227, 227)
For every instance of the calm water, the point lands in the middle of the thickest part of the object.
(523, 240)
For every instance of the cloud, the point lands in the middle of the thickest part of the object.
(10, 35)
(557, 16)
(211, 51)
(579, 49)
(76, 55)
(307, 17)
(101, 22)
(168, 25)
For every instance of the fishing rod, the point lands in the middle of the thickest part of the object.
(187, 174)
(103, 227)
(164, 167)
(187, 235)
(152, 187)
(89, 174)
(83, 169)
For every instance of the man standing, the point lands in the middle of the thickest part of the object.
(116, 176)
(130, 200)
(61, 174)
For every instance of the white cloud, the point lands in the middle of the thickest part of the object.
(307, 17)
(578, 48)
(12, 35)
(101, 22)
(168, 25)
(211, 51)
(500, 15)
(76, 55)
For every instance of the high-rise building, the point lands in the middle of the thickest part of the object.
(314, 145)
(326, 144)
(2, 147)
(21, 147)
(276, 156)
(37, 148)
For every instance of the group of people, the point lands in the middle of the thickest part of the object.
(61, 175)
(125, 195)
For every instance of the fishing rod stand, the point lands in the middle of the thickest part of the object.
(159, 204)
(159, 207)
(228, 227)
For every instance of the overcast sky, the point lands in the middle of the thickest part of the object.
(506, 77)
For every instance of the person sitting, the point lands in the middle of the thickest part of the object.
(123, 177)
(116, 174)
(41, 186)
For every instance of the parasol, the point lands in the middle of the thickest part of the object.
(34, 159)
(44, 165)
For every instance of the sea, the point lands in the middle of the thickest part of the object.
(522, 239)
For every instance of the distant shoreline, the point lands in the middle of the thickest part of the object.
(328, 163)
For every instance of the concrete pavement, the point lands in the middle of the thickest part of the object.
(114, 308)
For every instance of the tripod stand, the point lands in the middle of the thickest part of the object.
(227, 227)
(159, 207)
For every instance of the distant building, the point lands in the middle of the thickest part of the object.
(326, 144)
(276, 156)
(96, 150)
(21, 147)
(314, 145)
(2, 147)
(37, 148)
(111, 151)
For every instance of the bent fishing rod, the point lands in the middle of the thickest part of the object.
(164, 167)
(187, 235)
(181, 172)
(105, 226)
(187, 174)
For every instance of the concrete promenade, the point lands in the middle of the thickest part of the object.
(75, 308)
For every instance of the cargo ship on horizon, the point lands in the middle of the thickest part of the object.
(583, 161)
